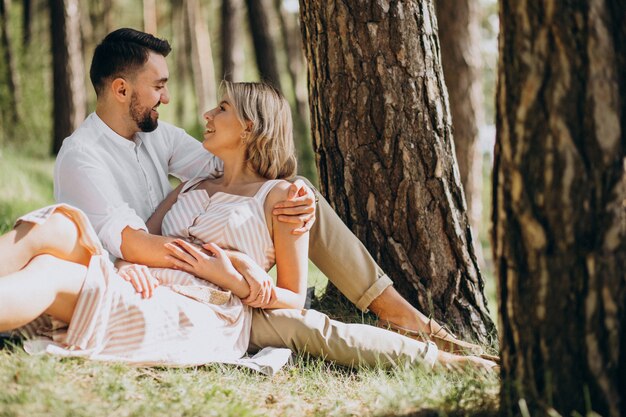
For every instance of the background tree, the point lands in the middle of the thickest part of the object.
(27, 13)
(181, 51)
(232, 56)
(68, 70)
(264, 49)
(150, 16)
(201, 56)
(12, 75)
(560, 206)
(381, 131)
(459, 35)
(295, 65)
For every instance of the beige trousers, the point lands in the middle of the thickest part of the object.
(341, 256)
(309, 331)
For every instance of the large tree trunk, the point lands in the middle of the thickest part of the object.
(264, 48)
(560, 206)
(201, 57)
(459, 35)
(232, 43)
(68, 70)
(381, 131)
(292, 43)
(12, 75)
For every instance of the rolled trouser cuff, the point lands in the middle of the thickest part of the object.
(373, 292)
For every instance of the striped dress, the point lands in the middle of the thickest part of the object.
(188, 321)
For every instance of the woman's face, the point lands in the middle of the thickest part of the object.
(223, 128)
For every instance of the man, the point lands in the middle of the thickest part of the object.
(115, 168)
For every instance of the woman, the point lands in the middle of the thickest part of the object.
(187, 320)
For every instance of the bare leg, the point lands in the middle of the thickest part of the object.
(452, 361)
(398, 314)
(392, 307)
(46, 285)
(58, 236)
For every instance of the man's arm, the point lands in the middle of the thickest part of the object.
(82, 181)
(141, 247)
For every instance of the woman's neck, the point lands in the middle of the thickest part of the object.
(237, 172)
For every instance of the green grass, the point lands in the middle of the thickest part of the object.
(25, 184)
(47, 385)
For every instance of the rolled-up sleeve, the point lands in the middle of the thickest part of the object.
(81, 181)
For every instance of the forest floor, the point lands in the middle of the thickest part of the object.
(47, 385)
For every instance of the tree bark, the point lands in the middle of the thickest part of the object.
(201, 57)
(68, 70)
(264, 48)
(292, 44)
(381, 131)
(12, 75)
(560, 206)
(232, 44)
(459, 35)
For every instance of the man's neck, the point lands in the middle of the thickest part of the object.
(117, 122)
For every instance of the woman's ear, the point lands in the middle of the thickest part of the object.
(249, 126)
(120, 89)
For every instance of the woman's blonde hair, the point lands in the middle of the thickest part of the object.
(270, 150)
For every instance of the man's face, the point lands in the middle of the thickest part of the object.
(149, 91)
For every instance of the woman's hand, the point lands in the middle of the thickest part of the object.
(298, 208)
(140, 278)
(208, 262)
(262, 289)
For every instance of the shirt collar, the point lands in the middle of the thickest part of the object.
(113, 136)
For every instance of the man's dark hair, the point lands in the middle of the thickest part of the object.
(121, 53)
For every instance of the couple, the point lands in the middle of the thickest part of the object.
(114, 168)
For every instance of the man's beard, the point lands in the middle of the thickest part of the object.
(142, 116)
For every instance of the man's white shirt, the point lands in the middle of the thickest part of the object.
(118, 182)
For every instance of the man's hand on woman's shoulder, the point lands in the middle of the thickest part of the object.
(298, 208)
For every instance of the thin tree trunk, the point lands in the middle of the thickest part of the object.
(201, 57)
(264, 48)
(12, 75)
(68, 70)
(181, 53)
(292, 43)
(27, 14)
(100, 15)
(150, 16)
(232, 43)
(381, 130)
(459, 35)
(559, 206)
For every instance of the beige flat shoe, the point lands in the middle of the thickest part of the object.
(443, 338)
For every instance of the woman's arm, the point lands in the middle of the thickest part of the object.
(291, 255)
